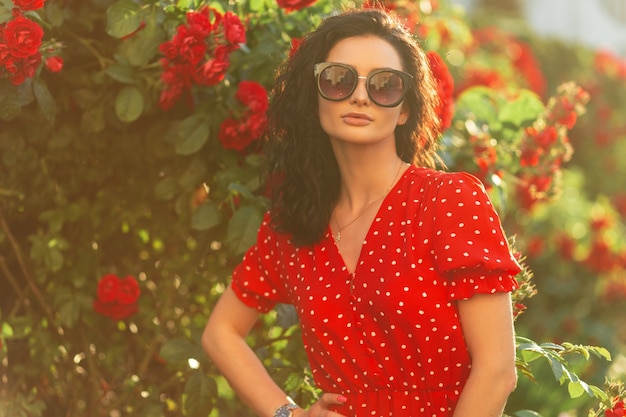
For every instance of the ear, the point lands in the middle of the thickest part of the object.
(404, 115)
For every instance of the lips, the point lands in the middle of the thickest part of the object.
(354, 115)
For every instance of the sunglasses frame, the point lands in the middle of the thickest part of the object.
(319, 68)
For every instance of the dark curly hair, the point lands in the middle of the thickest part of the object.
(303, 174)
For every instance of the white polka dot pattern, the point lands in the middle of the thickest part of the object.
(387, 335)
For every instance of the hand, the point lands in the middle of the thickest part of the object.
(320, 407)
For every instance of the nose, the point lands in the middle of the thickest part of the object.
(360, 95)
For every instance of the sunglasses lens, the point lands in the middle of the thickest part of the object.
(337, 82)
(386, 88)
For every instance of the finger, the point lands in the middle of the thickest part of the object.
(329, 398)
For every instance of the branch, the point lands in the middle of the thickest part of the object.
(24, 269)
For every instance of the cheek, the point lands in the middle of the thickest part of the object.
(325, 113)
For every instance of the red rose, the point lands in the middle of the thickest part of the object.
(169, 49)
(29, 4)
(231, 134)
(6, 59)
(617, 411)
(108, 288)
(445, 89)
(190, 44)
(129, 291)
(201, 22)
(291, 5)
(23, 37)
(213, 70)
(117, 298)
(54, 63)
(256, 124)
(252, 95)
(233, 29)
(295, 45)
(114, 310)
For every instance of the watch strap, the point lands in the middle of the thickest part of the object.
(286, 409)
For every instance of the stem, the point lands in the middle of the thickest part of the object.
(101, 59)
(24, 269)
(7, 272)
(93, 369)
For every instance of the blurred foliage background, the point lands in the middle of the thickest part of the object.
(130, 187)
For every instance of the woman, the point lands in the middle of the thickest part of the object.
(400, 273)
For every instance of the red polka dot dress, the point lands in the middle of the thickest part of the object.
(388, 335)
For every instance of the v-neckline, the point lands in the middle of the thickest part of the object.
(366, 239)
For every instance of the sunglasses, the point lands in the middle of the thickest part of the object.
(385, 87)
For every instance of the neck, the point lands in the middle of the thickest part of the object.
(365, 180)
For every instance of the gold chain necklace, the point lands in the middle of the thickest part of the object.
(337, 235)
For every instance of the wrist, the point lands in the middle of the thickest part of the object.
(287, 410)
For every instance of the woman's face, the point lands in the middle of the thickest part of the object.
(357, 119)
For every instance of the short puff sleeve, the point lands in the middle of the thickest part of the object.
(257, 279)
(470, 247)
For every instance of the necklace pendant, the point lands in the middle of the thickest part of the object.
(337, 237)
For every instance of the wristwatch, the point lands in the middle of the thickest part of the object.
(287, 409)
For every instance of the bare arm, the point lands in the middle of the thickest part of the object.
(224, 341)
(487, 322)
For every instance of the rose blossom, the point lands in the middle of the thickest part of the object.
(117, 298)
(54, 63)
(233, 29)
(108, 287)
(129, 291)
(29, 4)
(252, 95)
(213, 70)
(291, 5)
(199, 21)
(445, 89)
(23, 37)
(190, 44)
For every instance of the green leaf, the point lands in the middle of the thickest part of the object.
(187, 4)
(143, 46)
(166, 188)
(525, 108)
(530, 351)
(129, 104)
(5, 14)
(240, 189)
(194, 174)
(256, 5)
(123, 18)
(481, 103)
(193, 134)
(598, 393)
(69, 313)
(54, 259)
(205, 217)
(243, 228)
(601, 352)
(575, 389)
(122, 73)
(552, 346)
(200, 392)
(7, 330)
(180, 350)
(558, 369)
(54, 14)
(44, 99)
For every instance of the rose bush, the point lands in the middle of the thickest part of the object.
(137, 155)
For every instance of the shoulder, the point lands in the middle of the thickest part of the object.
(432, 180)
